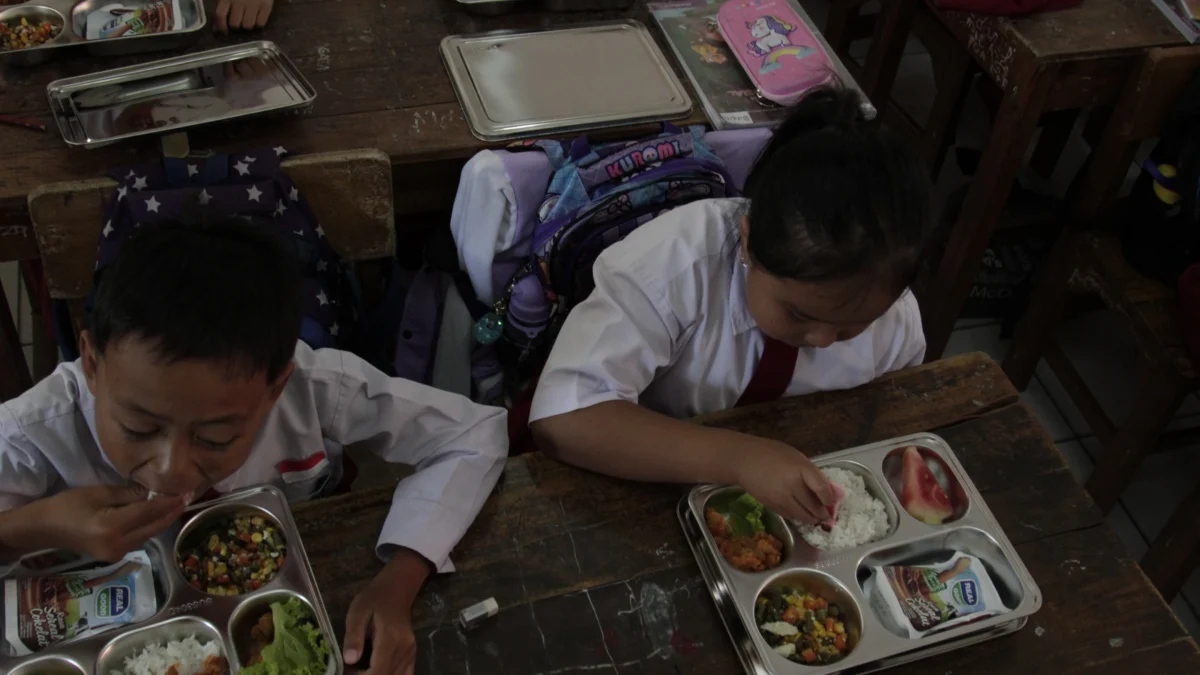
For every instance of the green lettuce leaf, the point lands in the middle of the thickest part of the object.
(749, 511)
(298, 648)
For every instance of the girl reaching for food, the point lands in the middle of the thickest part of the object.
(800, 287)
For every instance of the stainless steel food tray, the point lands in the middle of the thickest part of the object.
(72, 15)
(841, 575)
(184, 610)
(524, 83)
(177, 93)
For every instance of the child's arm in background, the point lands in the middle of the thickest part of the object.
(458, 450)
(241, 14)
(607, 354)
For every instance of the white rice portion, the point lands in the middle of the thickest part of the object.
(188, 654)
(861, 518)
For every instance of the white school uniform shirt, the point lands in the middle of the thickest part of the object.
(333, 399)
(668, 326)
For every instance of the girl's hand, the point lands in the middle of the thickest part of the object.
(785, 481)
(384, 608)
(241, 14)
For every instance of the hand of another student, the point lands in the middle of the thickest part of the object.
(105, 522)
(785, 481)
(242, 14)
(384, 608)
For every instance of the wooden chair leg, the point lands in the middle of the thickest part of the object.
(1175, 554)
(887, 47)
(952, 83)
(14, 371)
(837, 25)
(1160, 392)
(1011, 134)
(1056, 131)
(1046, 304)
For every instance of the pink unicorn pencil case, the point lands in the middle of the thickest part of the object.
(775, 47)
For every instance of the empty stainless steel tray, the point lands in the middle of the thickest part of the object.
(177, 93)
(515, 84)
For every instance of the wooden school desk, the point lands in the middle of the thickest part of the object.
(380, 84)
(593, 575)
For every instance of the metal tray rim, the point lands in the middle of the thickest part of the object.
(300, 580)
(691, 506)
(66, 86)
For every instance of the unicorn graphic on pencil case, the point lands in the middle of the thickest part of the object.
(769, 34)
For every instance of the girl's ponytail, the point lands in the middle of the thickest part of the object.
(822, 109)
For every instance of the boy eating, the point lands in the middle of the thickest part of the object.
(192, 380)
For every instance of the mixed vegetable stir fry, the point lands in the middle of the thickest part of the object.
(803, 627)
(741, 535)
(240, 555)
(22, 34)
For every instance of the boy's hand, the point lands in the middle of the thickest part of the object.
(242, 14)
(785, 481)
(384, 608)
(105, 522)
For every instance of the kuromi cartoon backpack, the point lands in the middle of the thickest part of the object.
(597, 195)
(776, 48)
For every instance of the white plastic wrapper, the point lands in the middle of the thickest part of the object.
(40, 611)
(133, 18)
(924, 598)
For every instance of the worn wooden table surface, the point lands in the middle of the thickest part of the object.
(594, 575)
(380, 84)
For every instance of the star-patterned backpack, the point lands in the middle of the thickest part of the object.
(251, 185)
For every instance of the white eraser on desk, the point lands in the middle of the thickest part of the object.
(473, 615)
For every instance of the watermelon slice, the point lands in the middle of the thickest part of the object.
(923, 496)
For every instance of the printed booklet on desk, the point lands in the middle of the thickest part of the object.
(729, 98)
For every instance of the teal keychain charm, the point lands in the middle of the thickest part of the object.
(489, 328)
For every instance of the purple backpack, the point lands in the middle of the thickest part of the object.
(597, 195)
(520, 256)
(563, 203)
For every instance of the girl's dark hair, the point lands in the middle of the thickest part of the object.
(832, 197)
(225, 289)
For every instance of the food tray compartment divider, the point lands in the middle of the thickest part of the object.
(735, 591)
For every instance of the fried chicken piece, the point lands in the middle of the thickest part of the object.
(215, 665)
(173, 670)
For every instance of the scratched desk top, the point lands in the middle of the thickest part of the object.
(375, 65)
(593, 575)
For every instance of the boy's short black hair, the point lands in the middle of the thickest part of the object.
(224, 290)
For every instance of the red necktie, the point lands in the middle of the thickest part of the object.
(772, 375)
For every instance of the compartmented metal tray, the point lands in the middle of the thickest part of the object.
(844, 576)
(71, 16)
(184, 611)
(517, 84)
(177, 93)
